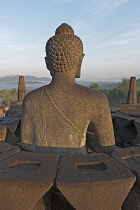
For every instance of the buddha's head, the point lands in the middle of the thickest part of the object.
(64, 51)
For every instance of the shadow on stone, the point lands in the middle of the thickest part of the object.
(59, 202)
(132, 201)
(24, 165)
(96, 166)
(124, 130)
(53, 200)
(18, 130)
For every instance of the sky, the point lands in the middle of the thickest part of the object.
(109, 30)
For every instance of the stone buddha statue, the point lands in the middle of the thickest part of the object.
(56, 116)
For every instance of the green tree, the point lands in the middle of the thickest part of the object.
(124, 87)
(106, 92)
(94, 86)
(14, 94)
(117, 95)
(8, 96)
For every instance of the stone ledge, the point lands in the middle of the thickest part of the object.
(7, 150)
(127, 108)
(130, 158)
(25, 178)
(94, 180)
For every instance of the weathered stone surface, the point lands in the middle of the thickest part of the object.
(131, 105)
(129, 157)
(56, 116)
(21, 89)
(94, 181)
(59, 202)
(137, 139)
(8, 118)
(90, 140)
(3, 132)
(39, 205)
(3, 110)
(130, 108)
(15, 108)
(124, 129)
(25, 178)
(6, 150)
(132, 93)
(13, 126)
(133, 199)
(11, 138)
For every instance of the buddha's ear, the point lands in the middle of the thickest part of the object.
(47, 63)
(78, 67)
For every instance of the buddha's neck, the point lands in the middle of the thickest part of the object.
(65, 78)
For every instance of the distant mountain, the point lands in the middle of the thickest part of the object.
(118, 79)
(138, 82)
(84, 83)
(15, 78)
(137, 76)
(32, 82)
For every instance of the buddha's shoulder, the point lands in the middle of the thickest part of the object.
(91, 94)
(34, 95)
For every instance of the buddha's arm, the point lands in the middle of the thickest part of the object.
(26, 131)
(102, 127)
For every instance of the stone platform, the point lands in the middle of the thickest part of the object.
(25, 178)
(130, 158)
(128, 108)
(126, 129)
(94, 182)
(35, 181)
(7, 150)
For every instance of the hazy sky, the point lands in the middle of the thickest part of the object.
(109, 29)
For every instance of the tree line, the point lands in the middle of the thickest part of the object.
(118, 95)
(8, 96)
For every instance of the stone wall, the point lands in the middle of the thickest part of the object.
(46, 181)
(10, 129)
(126, 129)
(3, 110)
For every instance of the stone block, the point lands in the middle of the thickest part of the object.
(124, 120)
(7, 150)
(130, 158)
(124, 129)
(21, 89)
(132, 202)
(15, 108)
(3, 132)
(132, 93)
(128, 108)
(12, 123)
(25, 178)
(1, 112)
(90, 140)
(94, 181)
(137, 139)
(11, 138)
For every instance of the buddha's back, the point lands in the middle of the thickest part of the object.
(56, 116)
